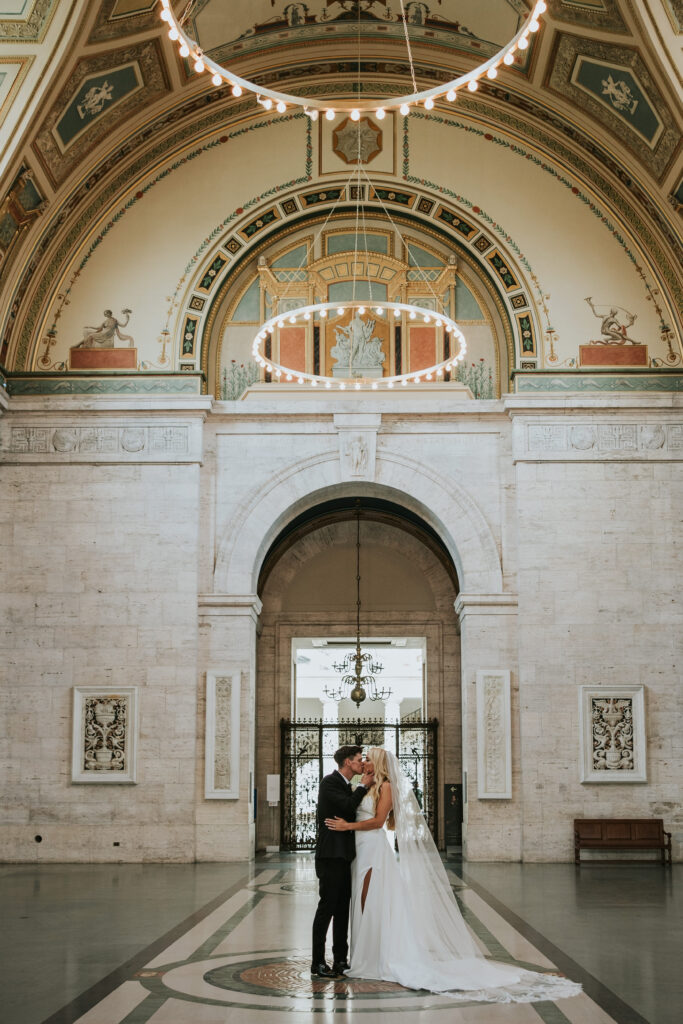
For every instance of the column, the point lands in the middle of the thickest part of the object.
(492, 828)
(225, 828)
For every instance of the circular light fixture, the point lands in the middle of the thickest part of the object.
(322, 309)
(314, 107)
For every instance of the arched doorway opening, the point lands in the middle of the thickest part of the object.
(308, 589)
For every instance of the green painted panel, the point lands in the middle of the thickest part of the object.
(349, 242)
(618, 89)
(248, 309)
(96, 95)
(418, 257)
(342, 291)
(466, 306)
(293, 258)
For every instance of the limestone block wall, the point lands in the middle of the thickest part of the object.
(99, 588)
(599, 500)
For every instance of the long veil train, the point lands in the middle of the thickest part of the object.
(425, 941)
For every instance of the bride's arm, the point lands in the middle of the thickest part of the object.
(384, 805)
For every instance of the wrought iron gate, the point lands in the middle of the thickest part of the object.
(307, 749)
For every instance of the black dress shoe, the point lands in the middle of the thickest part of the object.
(323, 971)
(340, 966)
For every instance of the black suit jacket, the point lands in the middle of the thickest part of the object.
(336, 800)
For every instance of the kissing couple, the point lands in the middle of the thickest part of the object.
(406, 926)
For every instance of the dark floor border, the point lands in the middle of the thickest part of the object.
(101, 989)
(605, 998)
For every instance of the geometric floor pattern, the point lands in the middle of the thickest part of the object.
(247, 960)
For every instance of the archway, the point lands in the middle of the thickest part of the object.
(408, 588)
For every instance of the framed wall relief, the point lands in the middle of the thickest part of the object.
(222, 770)
(494, 735)
(612, 733)
(105, 728)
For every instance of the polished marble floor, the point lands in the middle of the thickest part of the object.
(229, 944)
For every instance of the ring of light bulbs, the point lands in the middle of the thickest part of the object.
(269, 98)
(305, 314)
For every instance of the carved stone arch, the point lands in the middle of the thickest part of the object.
(444, 505)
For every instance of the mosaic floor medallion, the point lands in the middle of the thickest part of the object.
(279, 981)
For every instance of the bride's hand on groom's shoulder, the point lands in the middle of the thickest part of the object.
(337, 824)
(368, 776)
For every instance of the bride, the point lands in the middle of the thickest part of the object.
(406, 926)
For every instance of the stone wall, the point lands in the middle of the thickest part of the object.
(132, 534)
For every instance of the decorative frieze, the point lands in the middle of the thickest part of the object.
(222, 769)
(574, 439)
(112, 442)
(612, 734)
(494, 739)
(104, 734)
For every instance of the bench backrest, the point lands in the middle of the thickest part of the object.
(620, 830)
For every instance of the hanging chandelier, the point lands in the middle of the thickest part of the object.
(269, 98)
(358, 669)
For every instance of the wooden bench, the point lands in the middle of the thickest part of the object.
(621, 834)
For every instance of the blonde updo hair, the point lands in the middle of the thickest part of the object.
(378, 756)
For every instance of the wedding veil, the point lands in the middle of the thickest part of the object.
(436, 916)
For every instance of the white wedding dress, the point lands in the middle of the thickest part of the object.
(411, 930)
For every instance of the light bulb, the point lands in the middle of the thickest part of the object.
(523, 43)
(450, 95)
(379, 310)
(361, 310)
(174, 34)
(313, 114)
(216, 79)
(541, 6)
(390, 384)
(404, 383)
(428, 376)
(412, 315)
(427, 319)
(355, 115)
(417, 380)
(292, 319)
(314, 383)
(342, 387)
(429, 103)
(328, 384)
(405, 109)
(323, 314)
(380, 113)
(278, 373)
(439, 372)
(397, 312)
(237, 90)
(329, 114)
(289, 376)
(269, 368)
(472, 85)
(301, 380)
(340, 311)
(357, 387)
(199, 65)
(492, 73)
(307, 316)
(281, 107)
(184, 50)
(166, 14)
(281, 323)
(509, 58)
(534, 26)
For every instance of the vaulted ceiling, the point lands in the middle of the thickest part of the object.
(94, 94)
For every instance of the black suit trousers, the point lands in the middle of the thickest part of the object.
(334, 880)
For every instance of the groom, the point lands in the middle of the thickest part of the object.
(334, 852)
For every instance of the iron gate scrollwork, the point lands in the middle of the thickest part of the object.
(307, 749)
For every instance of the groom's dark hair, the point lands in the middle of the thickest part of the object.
(344, 752)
